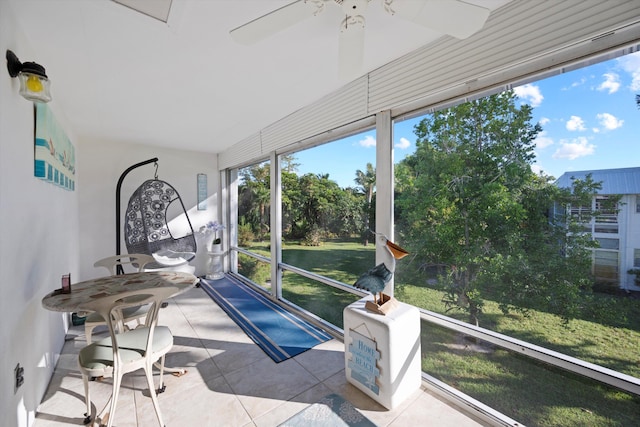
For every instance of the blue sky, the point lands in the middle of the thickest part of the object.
(589, 119)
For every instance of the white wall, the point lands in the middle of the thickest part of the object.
(38, 244)
(629, 241)
(102, 165)
(48, 231)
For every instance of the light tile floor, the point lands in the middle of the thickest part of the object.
(230, 381)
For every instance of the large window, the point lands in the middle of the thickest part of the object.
(474, 189)
(254, 201)
(472, 203)
(606, 220)
(608, 243)
(327, 210)
(605, 266)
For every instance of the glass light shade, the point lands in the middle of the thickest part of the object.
(34, 87)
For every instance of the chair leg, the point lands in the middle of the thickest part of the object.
(117, 381)
(87, 398)
(161, 386)
(154, 398)
(103, 415)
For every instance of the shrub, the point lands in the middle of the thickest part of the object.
(313, 237)
(256, 271)
(245, 235)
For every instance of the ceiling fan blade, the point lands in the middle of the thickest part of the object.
(351, 47)
(453, 17)
(273, 22)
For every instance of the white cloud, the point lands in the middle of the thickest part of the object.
(542, 140)
(583, 80)
(580, 82)
(543, 121)
(403, 144)
(575, 123)
(631, 65)
(635, 82)
(611, 83)
(609, 121)
(368, 141)
(578, 147)
(530, 93)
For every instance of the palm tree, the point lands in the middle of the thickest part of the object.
(256, 195)
(367, 182)
(261, 198)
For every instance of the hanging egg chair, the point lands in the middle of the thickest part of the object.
(146, 228)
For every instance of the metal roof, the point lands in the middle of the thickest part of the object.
(614, 181)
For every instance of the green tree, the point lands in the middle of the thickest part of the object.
(291, 202)
(288, 163)
(347, 218)
(255, 197)
(320, 195)
(311, 204)
(476, 210)
(366, 180)
(551, 270)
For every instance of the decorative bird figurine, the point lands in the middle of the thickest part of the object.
(375, 279)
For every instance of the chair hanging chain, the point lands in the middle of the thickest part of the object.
(155, 174)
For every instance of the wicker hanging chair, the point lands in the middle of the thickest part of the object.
(147, 231)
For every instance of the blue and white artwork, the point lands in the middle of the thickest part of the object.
(54, 154)
(364, 361)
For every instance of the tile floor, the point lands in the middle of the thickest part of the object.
(230, 381)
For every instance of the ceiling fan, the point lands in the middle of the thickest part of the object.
(453, 17)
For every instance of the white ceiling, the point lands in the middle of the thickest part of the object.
(120, 75)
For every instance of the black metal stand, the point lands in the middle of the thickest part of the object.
(119, 269)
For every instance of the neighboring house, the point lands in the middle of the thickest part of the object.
(618, 234)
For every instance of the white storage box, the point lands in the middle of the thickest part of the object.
(382, 352)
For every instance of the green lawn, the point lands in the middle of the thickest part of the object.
(341, 261)
(530, 392)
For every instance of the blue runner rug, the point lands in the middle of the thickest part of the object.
(278, 332)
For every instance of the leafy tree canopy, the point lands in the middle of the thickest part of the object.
(469, 203)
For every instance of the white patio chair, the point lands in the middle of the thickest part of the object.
(124, 352)
(133, 313)
(139, 261)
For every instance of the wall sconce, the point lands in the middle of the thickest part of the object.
(34, 84)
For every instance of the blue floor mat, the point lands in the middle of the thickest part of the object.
(278, 332)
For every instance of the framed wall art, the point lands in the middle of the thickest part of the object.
(202, 191)
(54, 154)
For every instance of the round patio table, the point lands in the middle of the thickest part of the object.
(89, 290)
